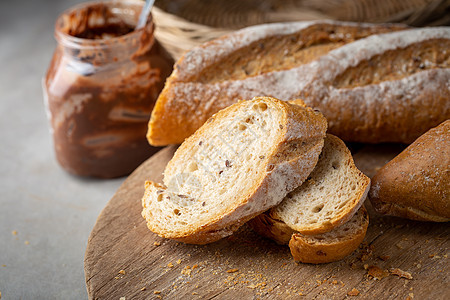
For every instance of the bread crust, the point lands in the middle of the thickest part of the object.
(207, 237)
(292, 158)
(387, 109)
(305, 251)
(416, 183)
(186, 102)
(211, 55)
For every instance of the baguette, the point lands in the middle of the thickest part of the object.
(274, 60)
(330, 196)
(266, 145)
(416, 183)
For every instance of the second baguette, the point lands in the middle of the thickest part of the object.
(389, 87)
(277, 60)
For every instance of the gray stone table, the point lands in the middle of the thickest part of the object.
(46, 215)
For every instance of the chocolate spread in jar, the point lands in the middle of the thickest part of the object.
(105, 31)
(101, 87)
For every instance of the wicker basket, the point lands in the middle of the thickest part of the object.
(183, 24)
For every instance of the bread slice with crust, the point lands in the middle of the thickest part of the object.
(320, 248)
(241, 162)
(330, 196)
(333, 245)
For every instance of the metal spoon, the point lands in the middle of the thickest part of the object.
(144, 14)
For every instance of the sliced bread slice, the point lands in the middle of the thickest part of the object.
(330, 196)
(319, 248)
(241, 162)
(333, 245)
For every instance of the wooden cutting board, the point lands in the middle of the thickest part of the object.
(124, 259)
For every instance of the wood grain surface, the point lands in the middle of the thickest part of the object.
(124, 259)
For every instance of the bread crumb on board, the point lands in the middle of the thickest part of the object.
(157, 244)
(121, 272)
(143, 289)
(401, 273)
(353, 292)
(258, 285)
(232, 270)
(377, 273)
(156, 292)
(122, 298)
(186, 271)
(14, 232)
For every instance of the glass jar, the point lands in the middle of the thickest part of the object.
(101, 87)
